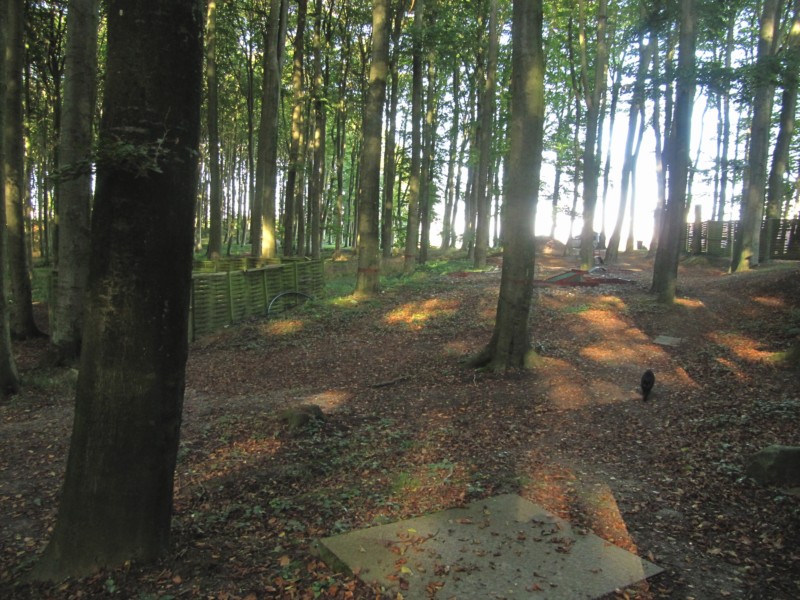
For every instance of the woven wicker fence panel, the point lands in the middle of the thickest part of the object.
(206, 303)
(238, 296)
(224, 296)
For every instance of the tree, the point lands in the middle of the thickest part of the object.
(510, 342)
(368, 280)
(592, 97)
(23, 324)
(117, 497)
(294, 189)
(486, 109)
(665, 267)
(263, 210)
(414, 185)
(746, 245)
(9, 378)
(780, 153)
(212, 119)
(75, 187)
(631, 155)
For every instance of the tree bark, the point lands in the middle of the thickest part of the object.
(747, 244)
(215, 194)
(296, 156)
(776, 190)
(116, 502)
(368, 278)
(75, 186)
(592, 99)
(389, 167)
(263, 209)
(9, 377)
(486, 109)
(510, 343)
(665, 267)
(23, 324)
(412, 229)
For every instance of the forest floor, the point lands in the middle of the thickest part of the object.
(409, 429)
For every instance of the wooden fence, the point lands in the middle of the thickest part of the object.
(716, 238)
(227, 291)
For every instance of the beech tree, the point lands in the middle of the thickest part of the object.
(23, 324)
(747, 243)
(117, 497)
(368, 279)
(665, 267)
(9, 378)
(75, 185)
(510, 343)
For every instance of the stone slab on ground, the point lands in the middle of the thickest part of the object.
(500, 547)
(667, 340)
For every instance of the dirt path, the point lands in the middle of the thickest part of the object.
(408, 429)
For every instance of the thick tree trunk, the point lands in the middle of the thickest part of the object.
(747, 244)
(665, 268)
(22, 321)
(9, 377)
(75, 188)
(510, 343)
(117, 499)
(368, 278)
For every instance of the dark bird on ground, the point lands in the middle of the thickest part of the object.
(648, 380)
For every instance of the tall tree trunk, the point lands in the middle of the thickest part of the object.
(510, 343)
(665, 268)
(297, 142)
(780, 154)
(486, 109)
(412, 229)
(368, 278)
(427, 185)
(116, 503)
(317, 178)
(661, 168)
(746, 246)
(449, 194)
(22, 321)
(592, 99)
(9, 377)
(263, 209)
(629, 161)
(215, 194)
(726, 121)
(389, 166)
(76, 186)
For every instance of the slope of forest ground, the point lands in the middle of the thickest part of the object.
(408, 429)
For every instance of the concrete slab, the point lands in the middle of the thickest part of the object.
(501, 547)
(667, 340)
